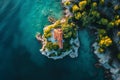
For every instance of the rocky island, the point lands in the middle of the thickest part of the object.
(101, 17)
(60, 38)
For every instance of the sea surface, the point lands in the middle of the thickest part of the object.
(20, 58)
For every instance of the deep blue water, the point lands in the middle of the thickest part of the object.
(20, 58)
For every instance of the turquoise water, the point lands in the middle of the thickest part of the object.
(20, 58)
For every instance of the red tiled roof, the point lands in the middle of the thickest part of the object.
(58, 35)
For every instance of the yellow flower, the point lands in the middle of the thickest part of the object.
(101, 42)
(82, 4)
(117, 22)
(105, 41)
(75, 8)
(78, 15)
(66, 3)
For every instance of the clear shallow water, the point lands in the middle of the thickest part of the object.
(19, 51)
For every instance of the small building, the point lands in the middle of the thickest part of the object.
(58, 35)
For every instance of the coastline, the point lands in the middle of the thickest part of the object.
(73, 53)
(102, 58)
(75, 44)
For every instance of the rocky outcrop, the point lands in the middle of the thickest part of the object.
(73, 52)
(104, 59)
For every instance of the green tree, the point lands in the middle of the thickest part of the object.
(82, 4)
(55, 46)
(47, 35)
(68, 35)
(75, 8)
(94, 5)
(118, 56)
(101, 31)
(102, 2)
(77, 15)
(103, 21)
(95, 14)
(110, 25)
(116, 7)
(49, 46)
(66, 45)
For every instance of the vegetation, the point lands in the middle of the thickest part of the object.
(117, 22)
(101, 50)
(67, 3)
(52, 55)
(75, 8)
(82, 5)
(118, 56)
(69, 31)
(110, 25)
(116, 7)
(103, 21)
(101, 32)
(105, 41)
(118, 33)
(77, 15)
(102, 2)
(87, 13)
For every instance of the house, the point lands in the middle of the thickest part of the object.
(58, 35)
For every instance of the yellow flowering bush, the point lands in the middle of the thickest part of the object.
(47, 35)
(82, 4)
(66, 3)
(117, 22)
(47, 29)
(75, 8)
(78, 15)
(105, 41)
(56, 24)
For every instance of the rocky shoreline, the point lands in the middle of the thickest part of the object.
(73, 52)
(112, 70)
(104, 59)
